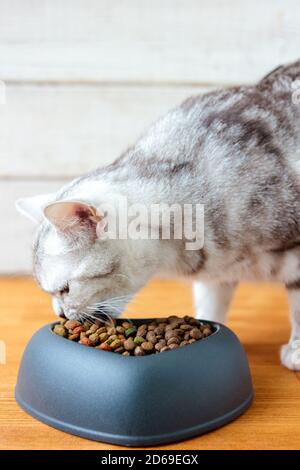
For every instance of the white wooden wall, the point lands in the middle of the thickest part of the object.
(84, 77)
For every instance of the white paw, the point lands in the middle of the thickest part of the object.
(290, 355)
(207, 315)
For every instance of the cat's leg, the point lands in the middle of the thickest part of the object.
(290, 353)
(212, 300)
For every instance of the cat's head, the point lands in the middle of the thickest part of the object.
(85, 272)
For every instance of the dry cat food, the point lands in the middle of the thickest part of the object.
(124, 337)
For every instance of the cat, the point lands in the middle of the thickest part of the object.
(237, 152)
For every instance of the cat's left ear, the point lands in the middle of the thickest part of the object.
(32, 207)
(75, 219)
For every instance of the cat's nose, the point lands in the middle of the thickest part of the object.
(57, 307)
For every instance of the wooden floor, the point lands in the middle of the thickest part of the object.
(258, 315)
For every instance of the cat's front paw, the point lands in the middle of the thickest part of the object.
(290, 355)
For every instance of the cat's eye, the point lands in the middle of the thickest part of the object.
(64, 290)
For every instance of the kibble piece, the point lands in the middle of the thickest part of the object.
(94, 338)
(126, 325)
(71, 324)
(159, 346)
(179, 332)
(185, 327)
(165, 348)
(142, 330)
(111, 338)
(103, 337)
(101, 330)
(169, 327)
(139, 351)
(173, 346)
(159, 330)
(194, 322)
(175, 324)
(119, 350)
(169, 334)
(173, 340)
(186, 336)
(151, 336)
(86, 341)
(74, 337)
(206, 332)
(172, 318)
(82, 334)
(93, 329)
(139, 340)
(184, 343)
(116, 343)
(63, 321)
(111, 331)
(129, 344)
(147, 346)
(104, 346)
(60, 330)
(78, 330)
(195, 333)
(120, 330)
(126, 353)
(192, 341)
(130, 331)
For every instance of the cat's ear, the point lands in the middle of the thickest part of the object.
(33, 207)
(75, 219)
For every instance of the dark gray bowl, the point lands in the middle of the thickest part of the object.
(135, 401)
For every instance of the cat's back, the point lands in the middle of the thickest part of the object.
(262, 117)
(249, 119)
(248, 157)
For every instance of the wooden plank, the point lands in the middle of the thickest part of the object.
(17, 232)
(66, 130)
(259, 317)
(221, 41)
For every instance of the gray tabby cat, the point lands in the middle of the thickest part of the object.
(237, 151)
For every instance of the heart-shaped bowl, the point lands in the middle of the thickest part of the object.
(135, 401)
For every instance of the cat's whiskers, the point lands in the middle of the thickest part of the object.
(98, 310)
(94, 319)
(116, 303)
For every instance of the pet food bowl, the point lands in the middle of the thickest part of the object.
(135, 401)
